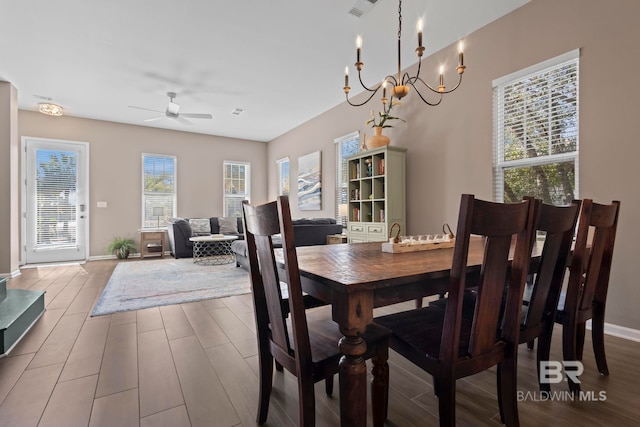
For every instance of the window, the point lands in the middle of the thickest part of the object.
(282, 167)
(158, 190)
(536, 132)
(345, 147)
(236, 187)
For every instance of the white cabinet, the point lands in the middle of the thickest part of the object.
(377, 193)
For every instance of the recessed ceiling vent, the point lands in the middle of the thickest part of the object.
(361, 7)
(237, 111)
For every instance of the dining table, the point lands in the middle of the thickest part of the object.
(355, 278)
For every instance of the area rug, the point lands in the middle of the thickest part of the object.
(135, 285)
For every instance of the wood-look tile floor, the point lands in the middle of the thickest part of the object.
(195, 365)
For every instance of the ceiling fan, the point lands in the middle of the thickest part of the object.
(172, 112)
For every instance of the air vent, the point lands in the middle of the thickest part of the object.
(361, 7)
(237, 111)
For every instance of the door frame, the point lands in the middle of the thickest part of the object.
(23, 195)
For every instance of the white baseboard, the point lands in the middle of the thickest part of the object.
(619, 331)
(10, 275)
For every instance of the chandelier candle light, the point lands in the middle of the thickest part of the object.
(401, 82)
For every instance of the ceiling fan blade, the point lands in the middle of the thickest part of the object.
(182, 120)
(153, 119)
(146, 109)
(197, 115)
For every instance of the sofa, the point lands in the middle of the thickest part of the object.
(180, 230)
(306, 232)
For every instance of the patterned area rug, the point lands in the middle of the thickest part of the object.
(143, 284)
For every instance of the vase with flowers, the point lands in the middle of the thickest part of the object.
(378, 123)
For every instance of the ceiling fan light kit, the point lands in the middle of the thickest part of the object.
(50, 109)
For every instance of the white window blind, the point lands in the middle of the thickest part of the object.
(282, 170)
(236, 187)
(345, 147)
(536, 132)
(158, 190)
(56, 183)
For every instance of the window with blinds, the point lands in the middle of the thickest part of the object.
(345, 147)
(236, 187)
(56, 184)
(282, 170)
(536, 132)
(158, 190)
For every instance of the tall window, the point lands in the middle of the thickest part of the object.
(158, 190)
(282, 167)
(536, 132)
(236, 187)
(345, 147)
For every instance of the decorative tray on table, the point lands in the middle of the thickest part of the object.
(427, 242)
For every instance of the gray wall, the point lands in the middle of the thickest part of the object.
(450, 146)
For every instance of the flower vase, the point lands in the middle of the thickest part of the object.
(378, 139)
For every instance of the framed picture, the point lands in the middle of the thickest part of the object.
(310, 182)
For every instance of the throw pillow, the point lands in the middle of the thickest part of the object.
(200, 226)
(228, 225)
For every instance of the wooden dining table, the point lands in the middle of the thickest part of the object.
(356, 278)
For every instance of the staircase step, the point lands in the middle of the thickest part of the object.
(19, 310)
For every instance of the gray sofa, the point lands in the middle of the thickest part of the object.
(306, 231)
(179, 231)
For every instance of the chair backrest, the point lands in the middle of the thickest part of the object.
(558, 223)
(498, 223)
(591, 266)
(261, 224)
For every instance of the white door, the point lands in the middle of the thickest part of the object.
(55, 200)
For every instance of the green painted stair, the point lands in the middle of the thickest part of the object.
(19, 309)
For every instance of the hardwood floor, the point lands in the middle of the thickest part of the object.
(195, 365)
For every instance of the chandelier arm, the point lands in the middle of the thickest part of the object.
(456, 86)
(415, 79)
(432, 104)
(364, 102)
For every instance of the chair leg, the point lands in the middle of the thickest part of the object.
(418, 302)
(380, 385)
(328, 385)
(531, 344)
(266, 383)
(279, 367)
(544, 349)
(507, 398)
(597, 336)
(569, 332)
(447, 401)
(307, 402)
(580, 332)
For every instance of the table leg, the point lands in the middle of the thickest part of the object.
(353, 312)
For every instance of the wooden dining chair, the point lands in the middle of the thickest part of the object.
(586, 294)
(304, 343)
(449, 347)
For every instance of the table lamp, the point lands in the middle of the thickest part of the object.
(158, 212)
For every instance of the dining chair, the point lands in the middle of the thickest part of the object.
(304, 343)
(448, 346)
(586, 294)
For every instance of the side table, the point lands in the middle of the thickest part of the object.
(335, 239)
(151, 239)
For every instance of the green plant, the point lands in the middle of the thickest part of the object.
(383, 118)
(121, 247)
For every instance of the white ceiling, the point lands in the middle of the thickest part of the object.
(281, 60)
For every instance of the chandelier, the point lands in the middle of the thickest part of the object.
(401, 83)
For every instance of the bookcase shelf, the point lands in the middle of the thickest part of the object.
(377, 193)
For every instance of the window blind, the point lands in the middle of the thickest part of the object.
(236, 187)
(346, 146)
(159, 190)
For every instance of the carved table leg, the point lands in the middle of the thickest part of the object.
(353, 381)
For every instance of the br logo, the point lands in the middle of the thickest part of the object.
(551, 371)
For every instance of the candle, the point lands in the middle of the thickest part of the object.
(461, 54)
(346, 76)
(420, 25)
(442, 75)
(358, 47)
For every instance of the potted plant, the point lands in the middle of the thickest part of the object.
(121, 247)
(378, 123)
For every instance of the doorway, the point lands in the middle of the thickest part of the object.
(54, 200)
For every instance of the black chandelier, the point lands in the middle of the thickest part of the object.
(400, 83)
